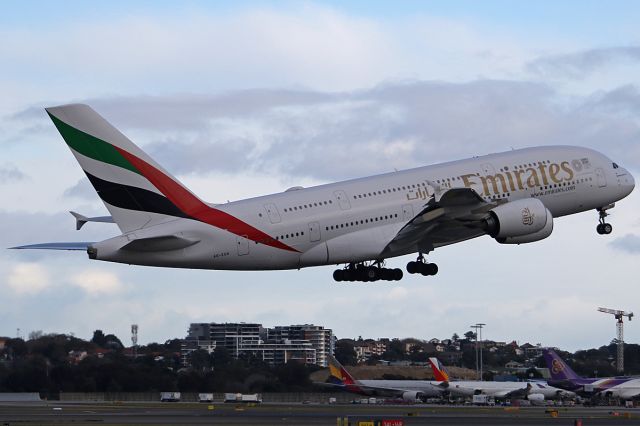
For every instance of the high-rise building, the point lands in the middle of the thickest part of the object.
(308, 343)
(321, 339)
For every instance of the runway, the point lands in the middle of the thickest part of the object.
(52, 413)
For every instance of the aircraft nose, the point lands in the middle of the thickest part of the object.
(628, 183)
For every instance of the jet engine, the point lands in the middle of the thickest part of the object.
(535, 398)
(412, 396)
(519, 221)
(530, 238)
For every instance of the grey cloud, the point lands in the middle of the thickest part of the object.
(82, 189)
(577, 65)
(10, 173)
(629, 243)
(201, 156)
(328, 136)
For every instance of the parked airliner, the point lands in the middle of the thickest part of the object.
(533, 391)
(409, 390)
(512, 196)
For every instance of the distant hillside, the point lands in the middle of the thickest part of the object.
(371, 372)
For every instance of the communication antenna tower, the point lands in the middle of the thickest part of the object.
(619, 315)
(134, 339)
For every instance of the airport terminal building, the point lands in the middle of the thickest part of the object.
(305, 343)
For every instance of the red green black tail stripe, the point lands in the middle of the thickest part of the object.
(194, 207)
(179, 201)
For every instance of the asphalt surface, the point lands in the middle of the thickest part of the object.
(52, 413)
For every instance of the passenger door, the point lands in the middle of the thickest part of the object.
(243, 245)
(342, 199)
(601, 178)
(407, 212)
(314, 231)
(272, 212)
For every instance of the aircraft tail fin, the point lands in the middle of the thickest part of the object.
(136, 190)
(439, 371)
(558, 369)
(339, 375)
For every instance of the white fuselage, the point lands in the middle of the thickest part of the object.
(504, 389)
(354, 220)
(426, 388)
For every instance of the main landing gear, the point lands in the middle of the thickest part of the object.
(367, 273)
(603, 227)
(421, 266)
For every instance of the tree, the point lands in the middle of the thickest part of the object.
(345, 353)
(470, 335)
(35, 334)
(455, 337)
(98, 338)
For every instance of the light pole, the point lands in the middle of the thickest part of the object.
(478, 328)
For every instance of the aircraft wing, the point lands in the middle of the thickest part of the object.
(454, 216)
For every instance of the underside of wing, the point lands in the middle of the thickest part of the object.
(457, 215)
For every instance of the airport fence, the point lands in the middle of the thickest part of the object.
(274, 397)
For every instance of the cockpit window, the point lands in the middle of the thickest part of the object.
(615, 166)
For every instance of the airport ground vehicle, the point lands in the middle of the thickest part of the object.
(170, 396)
(245, 398)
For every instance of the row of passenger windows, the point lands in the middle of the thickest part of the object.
(308, 206)
(557, 185)
(361, 222)
(388, 191)
(291, 235)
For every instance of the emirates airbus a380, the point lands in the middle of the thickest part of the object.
(512, 196)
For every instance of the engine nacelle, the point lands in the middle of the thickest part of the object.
(530, 238)
(517, 218)
(411, 396)
(535, 397)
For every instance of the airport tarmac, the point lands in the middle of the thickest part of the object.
(53, 413)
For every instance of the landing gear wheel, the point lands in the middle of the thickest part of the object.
(339, 275)
(397, 274)
(430, 269)
(420, 266)
(603, 227)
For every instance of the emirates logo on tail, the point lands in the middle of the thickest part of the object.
(527, 217)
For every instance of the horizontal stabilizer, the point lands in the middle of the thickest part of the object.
(56, 246)
(162, 243)
(82, 219)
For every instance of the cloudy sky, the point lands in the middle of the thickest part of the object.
(248, 98)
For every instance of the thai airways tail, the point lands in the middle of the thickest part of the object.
(439, 371)
(558, 369)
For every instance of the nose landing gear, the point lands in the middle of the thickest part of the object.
(603, 227)
(420, 266)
